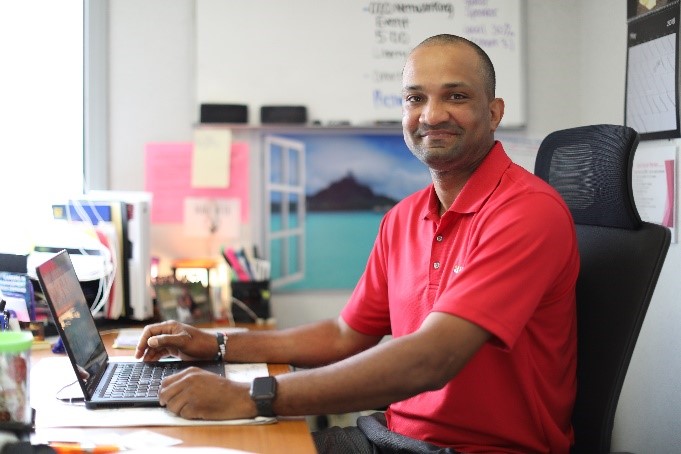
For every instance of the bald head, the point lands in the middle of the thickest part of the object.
(487, 72)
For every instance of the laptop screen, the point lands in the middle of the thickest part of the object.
(76, 326)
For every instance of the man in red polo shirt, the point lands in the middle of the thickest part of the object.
(474, 278)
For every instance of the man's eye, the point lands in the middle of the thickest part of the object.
(457, 96)
(412, 98)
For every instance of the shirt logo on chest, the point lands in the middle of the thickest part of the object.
(458, 269)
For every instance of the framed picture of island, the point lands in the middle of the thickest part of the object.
(349, 181)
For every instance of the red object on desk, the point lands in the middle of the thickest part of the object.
(77, 448)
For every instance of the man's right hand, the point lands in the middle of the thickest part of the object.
(175, 339)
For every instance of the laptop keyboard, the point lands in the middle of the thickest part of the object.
(138, 380)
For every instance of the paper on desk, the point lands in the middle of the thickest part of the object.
(142, 440)
(50, 375)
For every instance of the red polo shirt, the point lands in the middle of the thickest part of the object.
(504, 256)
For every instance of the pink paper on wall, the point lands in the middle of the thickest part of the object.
(167, 175)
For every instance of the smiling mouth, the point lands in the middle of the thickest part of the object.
(439, 131)
(438, 135)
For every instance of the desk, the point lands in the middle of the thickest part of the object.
(286, 436)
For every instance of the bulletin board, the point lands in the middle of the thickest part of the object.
(168, 177)
(343, 59)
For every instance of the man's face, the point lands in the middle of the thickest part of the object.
(447, 117)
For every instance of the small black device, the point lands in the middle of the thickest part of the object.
(263, 392)
(223, 113)
(283, 114)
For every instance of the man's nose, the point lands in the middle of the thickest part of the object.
(434, 112)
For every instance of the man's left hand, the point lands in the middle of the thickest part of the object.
(194, 393)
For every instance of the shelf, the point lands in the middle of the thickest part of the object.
(306, 128)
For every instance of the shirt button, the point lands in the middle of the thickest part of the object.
(438, 238)
(436, 265)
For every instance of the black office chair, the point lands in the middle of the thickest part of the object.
(621, 259)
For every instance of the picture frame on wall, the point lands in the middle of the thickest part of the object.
(652, 72)
(341, 186)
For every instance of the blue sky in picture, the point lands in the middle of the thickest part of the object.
(382, 162)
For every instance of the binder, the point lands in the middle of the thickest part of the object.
(110, 221)
(123, 217)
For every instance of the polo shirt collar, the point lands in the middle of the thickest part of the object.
(478, 187)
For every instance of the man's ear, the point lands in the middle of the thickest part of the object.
(496, 109)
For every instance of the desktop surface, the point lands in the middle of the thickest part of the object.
(286, 436)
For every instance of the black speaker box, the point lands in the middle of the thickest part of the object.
(224, 113)
(283, 114)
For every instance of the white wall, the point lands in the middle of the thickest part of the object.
(576, 73)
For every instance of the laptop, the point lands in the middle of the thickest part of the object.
(105, 384)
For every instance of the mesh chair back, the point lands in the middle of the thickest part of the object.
(621, 258)
(590, 167)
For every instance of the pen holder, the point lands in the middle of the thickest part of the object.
(15, 407)
(255, 295)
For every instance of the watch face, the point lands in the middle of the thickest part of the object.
(263, 388)
(263, 391)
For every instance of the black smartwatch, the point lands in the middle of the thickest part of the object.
(263, 392)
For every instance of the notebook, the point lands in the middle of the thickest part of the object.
(100, 378)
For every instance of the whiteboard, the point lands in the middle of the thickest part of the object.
(343, 59)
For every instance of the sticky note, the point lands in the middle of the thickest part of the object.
(211, 157)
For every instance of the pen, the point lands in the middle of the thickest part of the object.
(245, 262)
(78, 448)
(241, 273)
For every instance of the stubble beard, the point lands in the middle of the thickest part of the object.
(435, 157)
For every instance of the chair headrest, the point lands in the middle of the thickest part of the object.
(590, 166)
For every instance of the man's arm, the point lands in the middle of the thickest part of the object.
(310, 345)
(392, 371)
(388, 372)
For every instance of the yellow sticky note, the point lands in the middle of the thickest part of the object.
(211, 158)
